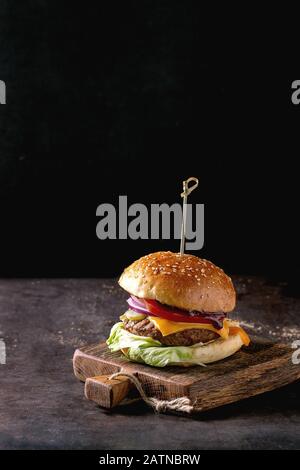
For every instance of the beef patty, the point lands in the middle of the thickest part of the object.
(181, 338)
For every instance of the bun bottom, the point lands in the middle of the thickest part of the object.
(207, 353)
(214, 351)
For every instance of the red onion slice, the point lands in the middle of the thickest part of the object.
(137, 307)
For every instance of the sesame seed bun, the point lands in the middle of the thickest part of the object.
(182, 281)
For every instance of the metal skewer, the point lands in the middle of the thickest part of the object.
(186, 191)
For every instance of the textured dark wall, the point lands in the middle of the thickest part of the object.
(130, 98)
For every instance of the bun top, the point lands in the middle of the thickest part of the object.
(182, 281)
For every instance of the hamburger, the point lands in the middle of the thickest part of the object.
(177, 312)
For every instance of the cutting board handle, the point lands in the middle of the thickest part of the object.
(107, 392)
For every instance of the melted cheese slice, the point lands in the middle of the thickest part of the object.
(243, 335)
(168, 327)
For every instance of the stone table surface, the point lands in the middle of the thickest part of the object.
(42, 405)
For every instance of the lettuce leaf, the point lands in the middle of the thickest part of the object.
(149, 351)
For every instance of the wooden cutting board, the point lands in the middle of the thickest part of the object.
(261, 367)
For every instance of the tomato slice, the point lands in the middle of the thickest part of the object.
(177, 315)
(152, 307)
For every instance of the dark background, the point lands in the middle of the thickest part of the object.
(132, 97)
